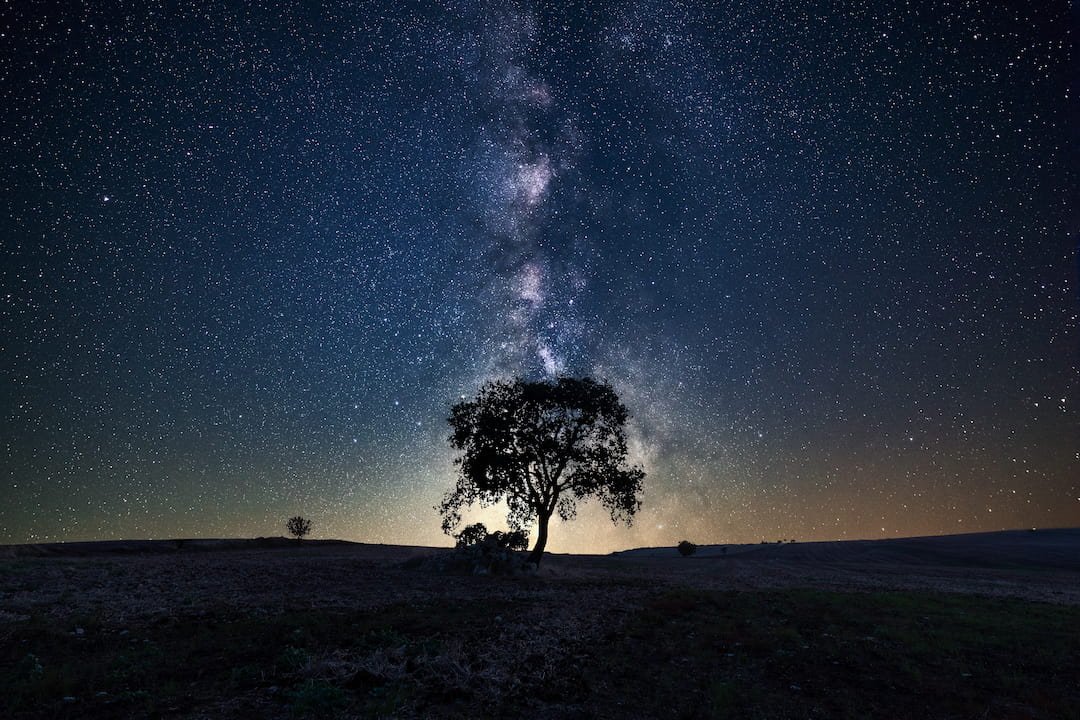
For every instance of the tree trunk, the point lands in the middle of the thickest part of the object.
(541, 541)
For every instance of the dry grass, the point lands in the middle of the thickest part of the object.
(345, 631)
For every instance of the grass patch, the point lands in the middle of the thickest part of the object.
(699, 654)
(686, 654)
(18, 567)
(316, 698)
(303, 664)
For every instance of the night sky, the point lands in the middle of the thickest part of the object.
(825, 252)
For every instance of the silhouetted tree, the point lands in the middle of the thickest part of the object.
(687, 548)
(298, 527)
(541, 446)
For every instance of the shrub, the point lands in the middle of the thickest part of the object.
(687, 548)
(479, 552)
(516, 540)
(477, 534)
(471, 535)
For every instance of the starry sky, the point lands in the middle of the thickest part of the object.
(825, 252)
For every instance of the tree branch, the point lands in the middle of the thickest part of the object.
(575, 434)
(529, 486)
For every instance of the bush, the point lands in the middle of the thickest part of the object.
(513, 540)
(479, 552)
(477, 535)
(687, 548)
(472, 535)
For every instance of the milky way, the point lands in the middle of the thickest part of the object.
(826, 253)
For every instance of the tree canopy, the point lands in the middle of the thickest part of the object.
(542, 446)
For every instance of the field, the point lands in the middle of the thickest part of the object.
(979, 626)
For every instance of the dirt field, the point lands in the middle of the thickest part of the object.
(273, 629)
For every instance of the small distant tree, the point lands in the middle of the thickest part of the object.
(687, 548)
(542, 447)
(298, 527)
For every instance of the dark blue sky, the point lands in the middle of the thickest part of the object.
(826, 253)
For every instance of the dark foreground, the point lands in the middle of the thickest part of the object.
(345, 631)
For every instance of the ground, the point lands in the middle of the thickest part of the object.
(983, 627)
